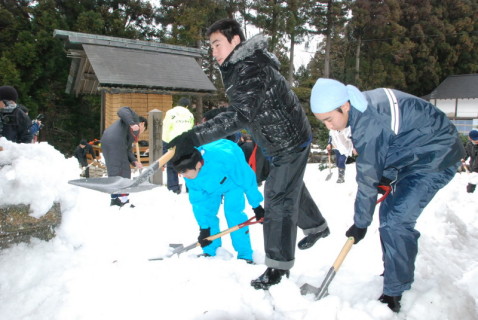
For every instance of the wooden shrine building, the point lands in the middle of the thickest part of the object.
(143, 75)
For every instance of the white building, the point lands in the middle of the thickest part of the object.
(457, 96)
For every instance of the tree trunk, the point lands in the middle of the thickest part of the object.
(291, 63)
(357, 60)
(328, 40)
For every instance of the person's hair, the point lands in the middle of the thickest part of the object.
(184, 102)
(83, 142)
(213, 112)
(339, 109)
(228, 27)
(188, 161)
(8, 93)
(143, 119)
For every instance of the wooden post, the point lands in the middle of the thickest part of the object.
(155, 128)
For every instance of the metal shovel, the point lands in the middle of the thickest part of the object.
(124, 185)
(179, 248)
(321, 291)
(330, 170)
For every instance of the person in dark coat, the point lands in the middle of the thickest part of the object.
(262, 103)
(80, 153)
(14, 123)
(117, 148)
(247, 145)
(471, 149)
(402, 139)
(255, 158)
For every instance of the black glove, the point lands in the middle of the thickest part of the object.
(184, 144)
(357, 233)
(470, 188)
(259, 212)
(204, 233)
(384, 185)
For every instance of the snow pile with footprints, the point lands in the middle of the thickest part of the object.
(97, 265)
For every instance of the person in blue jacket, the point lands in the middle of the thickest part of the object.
(214, 173)
(405, 141)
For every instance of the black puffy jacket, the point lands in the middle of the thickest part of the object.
(261, 102)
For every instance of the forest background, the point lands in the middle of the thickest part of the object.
(409, 45)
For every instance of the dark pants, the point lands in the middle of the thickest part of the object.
(398, 216)
(172, 175)
(340, 159)
(288, 204)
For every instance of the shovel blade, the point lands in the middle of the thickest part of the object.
(328, 176)
(309, 289)
(177, 248)
(112, 185)
(318, 293)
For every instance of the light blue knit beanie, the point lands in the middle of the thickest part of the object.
(328, 94)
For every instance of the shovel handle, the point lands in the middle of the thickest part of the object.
(138, 155)
(232, 229)
(343, 253)
(153, 167)
(213, 237)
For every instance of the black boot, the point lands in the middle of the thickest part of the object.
(392, 302)
(312, 238)
(117, 202)
(270, 277)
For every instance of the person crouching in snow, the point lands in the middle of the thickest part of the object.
(217, 172)
(405, 140)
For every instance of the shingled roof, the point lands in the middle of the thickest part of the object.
(125, 65)
(463, 86)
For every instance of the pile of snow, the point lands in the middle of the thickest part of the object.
(97, 266)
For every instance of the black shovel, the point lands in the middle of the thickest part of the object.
(322, 290)
(179, 248)
(124, 185)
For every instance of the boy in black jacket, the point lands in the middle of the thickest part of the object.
(262, 103)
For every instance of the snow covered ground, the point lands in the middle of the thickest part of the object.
(97, 266)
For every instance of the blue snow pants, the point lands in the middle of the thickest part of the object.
(398, 216)
(234, 205)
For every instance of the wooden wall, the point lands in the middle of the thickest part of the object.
(141, 103)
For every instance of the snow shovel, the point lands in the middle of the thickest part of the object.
(179, 248)
(322, 290)
(124, 185)
(330, 170)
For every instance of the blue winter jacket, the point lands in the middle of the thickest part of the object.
(224, 169)
(396, 135)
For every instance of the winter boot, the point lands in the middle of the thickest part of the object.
(392, 302)
(270, 277)
(312, 238)
(341, 178)
(119, 203)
